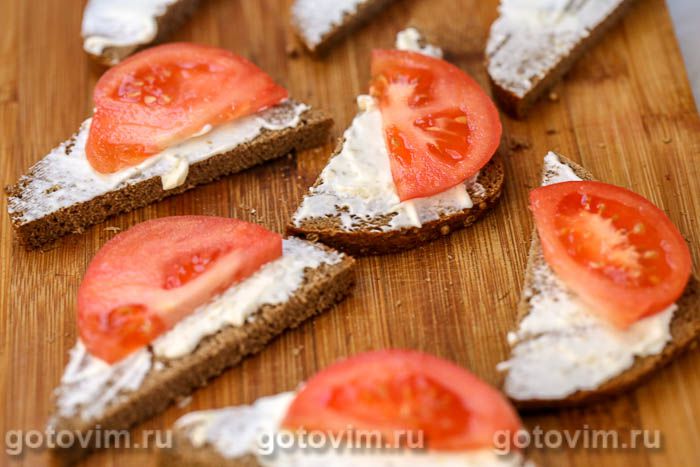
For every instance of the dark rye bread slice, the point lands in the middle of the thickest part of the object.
(518, 106)
(175, 15)
(685, 330)
(184, 453)
(322, 288)
(312, 131)
(350, 21)
(372, 241)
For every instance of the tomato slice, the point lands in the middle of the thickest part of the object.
(440, 127)
(165, 94)
(393, 391)
(144, 280)
(618, 252)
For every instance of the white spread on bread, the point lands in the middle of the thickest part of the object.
(357, 187)
(121, 23)
(560, 347)
(274, 283)
(314, 19)
(89, 384)
(531, 37)
(64, 177)
(411, 39)
(237, 431)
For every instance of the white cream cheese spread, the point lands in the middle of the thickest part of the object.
(411, 39)
(124, 24)
(65, 177)
(274, 283)
(531, 37)
(357, 187)
(560, 347)
(316, 18)
(238, 431)
(89, 384)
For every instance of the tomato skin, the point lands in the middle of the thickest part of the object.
(165, 94)
(632, 263)
(475, 410)
(146, 279)
(440, 127)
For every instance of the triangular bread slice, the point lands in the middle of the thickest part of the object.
(307, 280)
(684, 330)
(321, 24)
(354, 207)
(61, 194)
(364, 217)
(533, 44)
(376, 236)
(113, 30)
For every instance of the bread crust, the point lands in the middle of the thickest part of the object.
(322, 288)
(175, 15)
(374, 242)
(685, 330)
(518, 107)
(350, 22)
(312, 131)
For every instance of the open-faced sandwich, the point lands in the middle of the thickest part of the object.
(608, 298)
(165, 120)
(114, 29)
(171, 303)
(417, 162)
(321, 23)
(387, 408)
(533, 43)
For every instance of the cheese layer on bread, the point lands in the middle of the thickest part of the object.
(531, 37)
(560, 347)
(315, 19)
(126, 24)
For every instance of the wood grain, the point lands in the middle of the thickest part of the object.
(625, 112)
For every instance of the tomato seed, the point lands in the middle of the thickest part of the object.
(638, 228)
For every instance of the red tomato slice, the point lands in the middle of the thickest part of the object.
(440, 127)
(146, 279)
(394, 390)
(618, 252)
(165, 94)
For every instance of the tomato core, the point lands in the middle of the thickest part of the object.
(609, 239)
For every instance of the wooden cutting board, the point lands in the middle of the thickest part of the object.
(625, 112)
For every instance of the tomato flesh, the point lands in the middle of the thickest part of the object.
(165, 94)
(621, 254)
(396, 391)
(440, 127)
(145, 280)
